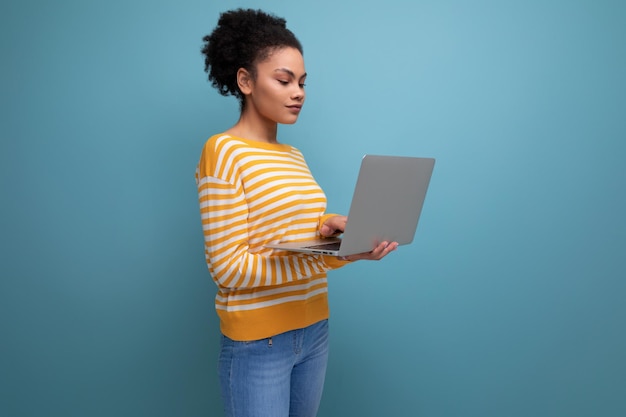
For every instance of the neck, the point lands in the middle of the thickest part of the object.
(252, 126)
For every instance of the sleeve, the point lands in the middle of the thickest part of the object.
(224, 214)
(331, 262)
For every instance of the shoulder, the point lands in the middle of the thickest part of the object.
(213, 154)
(215, 144)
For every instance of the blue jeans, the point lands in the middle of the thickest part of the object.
(276, 377)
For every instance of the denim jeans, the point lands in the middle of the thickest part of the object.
(279, 376)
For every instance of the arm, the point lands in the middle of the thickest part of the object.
(230, 258)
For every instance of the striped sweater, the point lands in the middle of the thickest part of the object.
(251, 194)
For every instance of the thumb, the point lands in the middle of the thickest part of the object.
(325, 230)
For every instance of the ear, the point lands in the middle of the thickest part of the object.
(244, 81)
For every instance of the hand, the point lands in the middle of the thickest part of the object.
(333, 226)
(379, 252)
(337, 224)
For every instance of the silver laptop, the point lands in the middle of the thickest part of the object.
(386, 206)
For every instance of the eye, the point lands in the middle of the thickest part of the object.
(283, 82)
(302, 85)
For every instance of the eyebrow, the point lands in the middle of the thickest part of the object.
(290, 72)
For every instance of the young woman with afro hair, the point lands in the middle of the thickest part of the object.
(254, 190)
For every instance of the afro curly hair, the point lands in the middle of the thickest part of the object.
(242, 38)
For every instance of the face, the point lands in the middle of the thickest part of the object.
(277, 93)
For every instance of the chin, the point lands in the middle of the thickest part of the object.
(289, 121)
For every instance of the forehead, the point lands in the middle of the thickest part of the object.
(283, 58)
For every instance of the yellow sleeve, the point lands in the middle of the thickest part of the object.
(331, 262)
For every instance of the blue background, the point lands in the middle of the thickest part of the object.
(511, 300)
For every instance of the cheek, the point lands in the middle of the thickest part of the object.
(276, 92)
(268, 93)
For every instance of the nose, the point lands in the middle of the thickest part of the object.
(298, 94)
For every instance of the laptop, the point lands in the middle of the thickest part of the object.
(386, 206)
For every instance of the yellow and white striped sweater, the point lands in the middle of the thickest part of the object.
(251, 194)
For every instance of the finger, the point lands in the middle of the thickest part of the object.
(379, 251)
(388, 247)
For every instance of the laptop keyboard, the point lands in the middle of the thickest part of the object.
(329, 246)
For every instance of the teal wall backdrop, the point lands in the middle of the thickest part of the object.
(511, 302)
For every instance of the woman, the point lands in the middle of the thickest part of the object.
(254, 190)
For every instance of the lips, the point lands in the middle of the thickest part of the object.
(295, 108)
